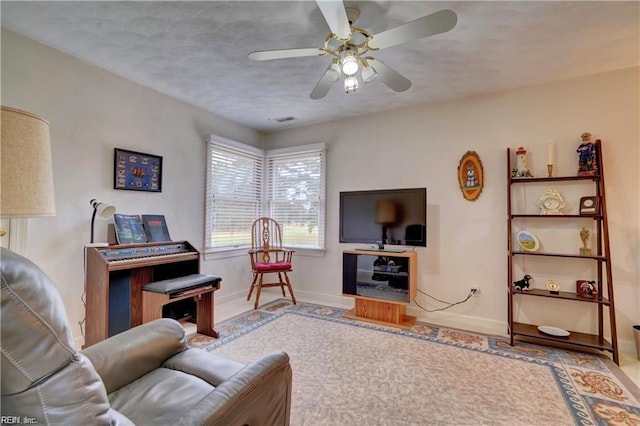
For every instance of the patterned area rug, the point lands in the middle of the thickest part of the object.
(349, 372)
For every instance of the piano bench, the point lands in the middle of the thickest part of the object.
(157, 294)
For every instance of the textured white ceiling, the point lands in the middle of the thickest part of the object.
(197, 51)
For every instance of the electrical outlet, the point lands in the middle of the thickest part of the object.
(475, 291)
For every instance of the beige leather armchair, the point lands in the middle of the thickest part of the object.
(146, 376)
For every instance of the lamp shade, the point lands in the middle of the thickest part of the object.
(385, 212)
(26, 177)
(369, 74)
(333, 72)
(350, 84)
(349, 65)
(103, 210)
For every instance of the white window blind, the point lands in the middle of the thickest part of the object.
(295, 195)
(234, 194)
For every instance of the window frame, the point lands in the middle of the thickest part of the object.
(219, 144)
(226, 144)
(317, 149)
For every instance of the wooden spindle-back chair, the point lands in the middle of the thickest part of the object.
(269, 257)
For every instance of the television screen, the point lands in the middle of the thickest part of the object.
(384, 217)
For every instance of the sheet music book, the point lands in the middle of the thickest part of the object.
(129, 229)
(156, 228)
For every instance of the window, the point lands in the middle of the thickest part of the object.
(295, 195)
(293, 191)
(234, 193)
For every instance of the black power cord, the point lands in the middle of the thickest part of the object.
(451, 304)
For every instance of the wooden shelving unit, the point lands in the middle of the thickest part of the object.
(602, 256)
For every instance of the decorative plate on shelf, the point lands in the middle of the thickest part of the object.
(553, 331)
(553, 286)
(528, 241)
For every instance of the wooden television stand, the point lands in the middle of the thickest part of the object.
(382, 284)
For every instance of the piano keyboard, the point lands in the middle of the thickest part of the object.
(134, 253)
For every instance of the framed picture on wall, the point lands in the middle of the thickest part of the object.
(137, 171)
(470, 175)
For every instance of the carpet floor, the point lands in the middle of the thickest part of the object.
(348, 372)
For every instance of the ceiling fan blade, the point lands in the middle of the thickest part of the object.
(392, 78)
(265, 55)
(323, 86)
(436, 23)
(336, 17)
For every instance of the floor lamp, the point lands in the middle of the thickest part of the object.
(26, 175)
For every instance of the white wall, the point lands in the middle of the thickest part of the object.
(467, 241)
(92, 111)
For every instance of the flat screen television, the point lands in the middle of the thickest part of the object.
(384, 217)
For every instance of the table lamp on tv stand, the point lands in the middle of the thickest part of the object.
(385, 215)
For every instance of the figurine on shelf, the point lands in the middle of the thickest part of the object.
(587, 156)
(523, 284)
(521, 164)
(584, 236)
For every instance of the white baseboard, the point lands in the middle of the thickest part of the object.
(463, 322)
(325, 299)
(230, 297)
(628, 347)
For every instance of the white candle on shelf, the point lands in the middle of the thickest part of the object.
(551, 148)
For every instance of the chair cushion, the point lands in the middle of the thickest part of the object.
(208, 366)
(43, 377)
(273, 266)
(74, 395)
(160, 397)
(127, 356)
(36, 337)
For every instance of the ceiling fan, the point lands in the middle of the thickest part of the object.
(350, 46)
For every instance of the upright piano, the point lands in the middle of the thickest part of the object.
(114, 278)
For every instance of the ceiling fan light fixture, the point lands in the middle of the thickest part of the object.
(369, 74)
(333, 72)
(347, 46)
(350, 84)
(349, 64)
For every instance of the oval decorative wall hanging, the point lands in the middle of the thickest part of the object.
(470, 175)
